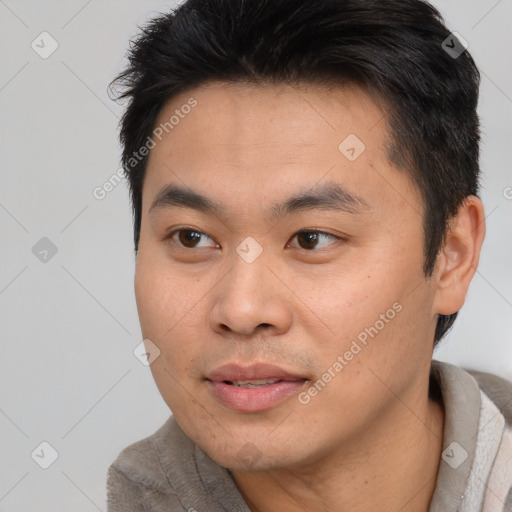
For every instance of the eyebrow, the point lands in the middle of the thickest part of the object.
(329, 196)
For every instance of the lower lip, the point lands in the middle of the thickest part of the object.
(255, 399)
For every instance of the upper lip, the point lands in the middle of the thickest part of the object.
(258, 371)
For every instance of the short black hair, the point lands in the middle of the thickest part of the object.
(398, 50)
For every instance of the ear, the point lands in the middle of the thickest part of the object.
(458, 259)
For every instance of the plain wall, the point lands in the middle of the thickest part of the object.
(69, 324)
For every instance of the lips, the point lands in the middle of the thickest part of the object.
(253, 383)
(254, 388)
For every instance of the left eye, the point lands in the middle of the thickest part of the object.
(307, 240)
(188, 237)
(310, 238)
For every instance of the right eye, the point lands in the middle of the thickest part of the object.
(186, 238)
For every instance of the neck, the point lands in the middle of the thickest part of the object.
(392, 466)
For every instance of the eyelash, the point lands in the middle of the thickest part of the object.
(169, 238)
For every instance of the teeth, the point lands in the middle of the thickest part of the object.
(253, 383)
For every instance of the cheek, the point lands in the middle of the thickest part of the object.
(158, 291)
(353, 298)
(168, 316)
(158, 306)
(158, 311)
(151, 301)
(374, 314)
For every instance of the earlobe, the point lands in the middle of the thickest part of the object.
(458, 259)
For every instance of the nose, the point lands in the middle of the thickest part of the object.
(251, 297)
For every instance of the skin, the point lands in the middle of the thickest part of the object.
(300, 305)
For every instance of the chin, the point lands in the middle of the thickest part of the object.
(247, 458)
(239, 455)
(244, 447)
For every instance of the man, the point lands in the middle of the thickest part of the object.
(304, 180)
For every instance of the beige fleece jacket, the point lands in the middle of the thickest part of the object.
(167, 472)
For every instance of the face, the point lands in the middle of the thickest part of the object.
(289, 299)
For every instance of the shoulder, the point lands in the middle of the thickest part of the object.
(168, 472)
(463, 385)
(498, 390)
(137, 476)
(478, 423)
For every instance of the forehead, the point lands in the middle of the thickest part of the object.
(310, 113)
(261, 138)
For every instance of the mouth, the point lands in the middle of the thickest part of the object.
(252, 383)
(255, 388)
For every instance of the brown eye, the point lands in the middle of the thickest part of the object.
(309, 240)
(187, 238)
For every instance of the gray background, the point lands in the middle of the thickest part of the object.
(69, 324)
